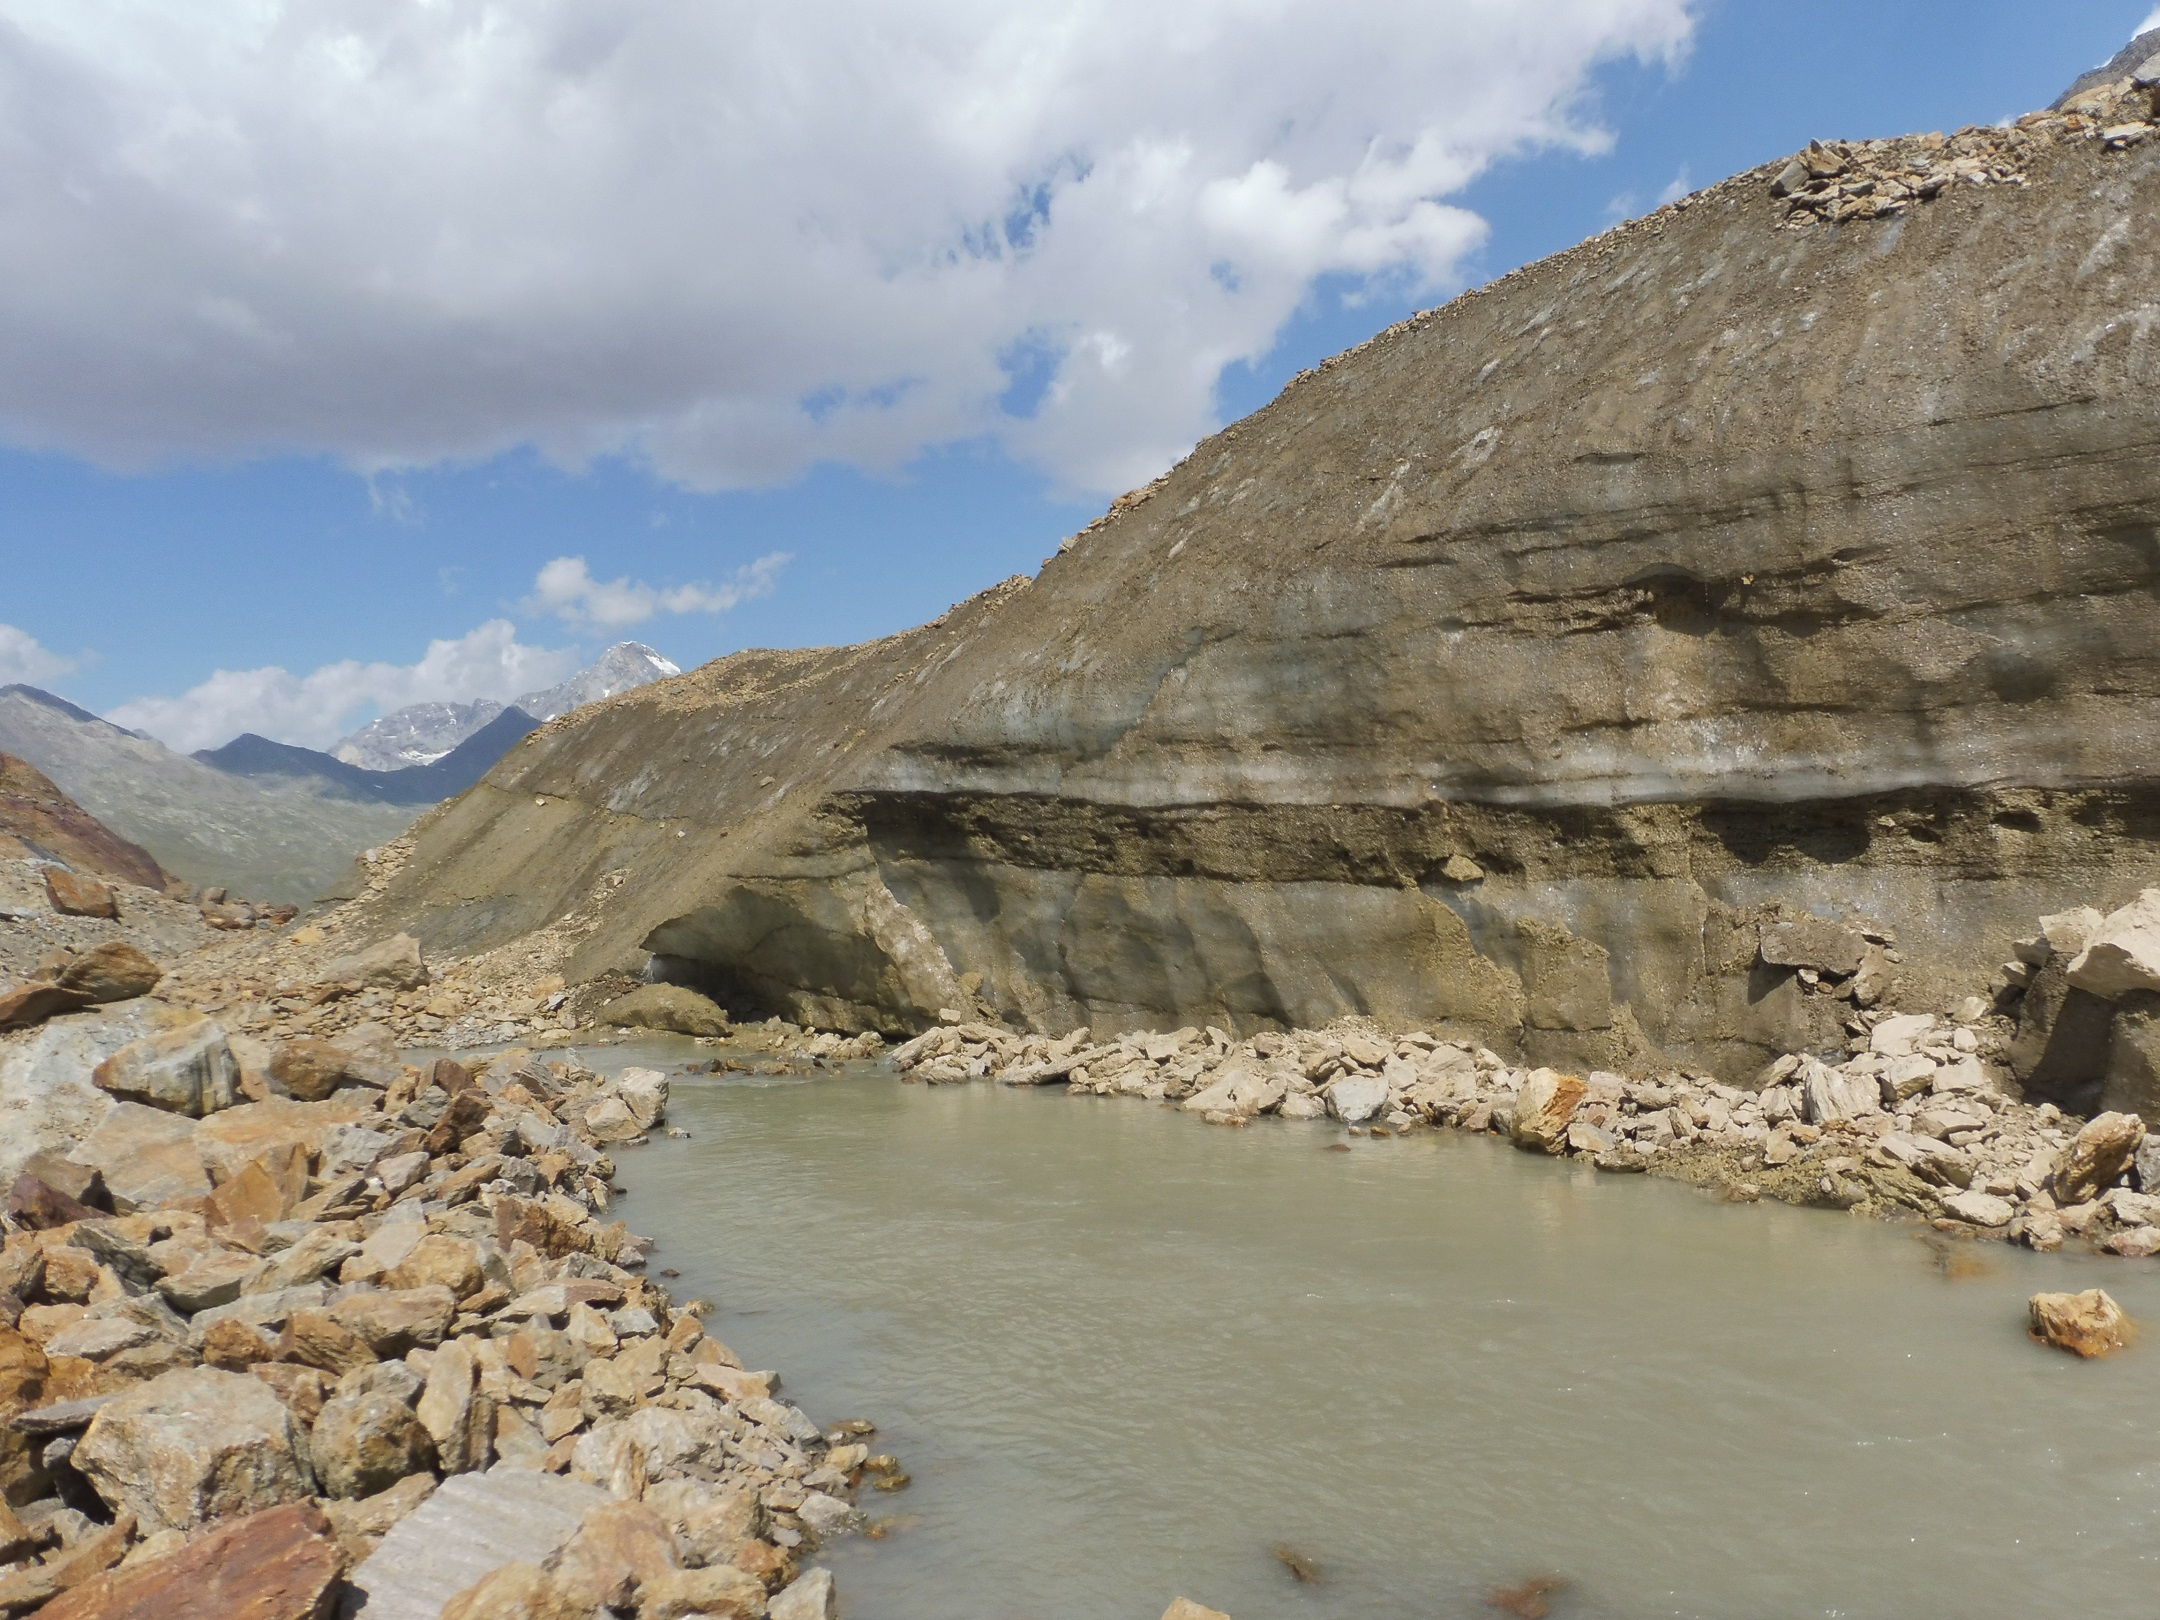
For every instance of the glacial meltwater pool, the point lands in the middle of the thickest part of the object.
(1123, 1353)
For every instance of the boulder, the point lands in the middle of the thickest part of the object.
(610, 1121)
(188, 1070)
(719, 1592)
(1899, 1035)
(2088, 1324)
(391, 964)
(1544, 1107)
(230, 1140)
(2060, 1052)
(617, 1548)
(74, 895)
(1187, 1609)
(366, 1442)
(810, 1597)
(193, 1445)
(311, 1070)
(1827, 1094)
(518, 1592)
(280, 1564)
(668, 1007)
(473, 1524)
(438, 1260)
(315, 1338)
(712, 1525)
(1979, 1208)
(146, 1156)
(457, 1416)
(29, 1005)
(1813, 942)
(1355, 1098)
(645, 1093)
(114, 971)
(2123, 952)
(2130, 1083)
(395, 1320)
(2096, 1158)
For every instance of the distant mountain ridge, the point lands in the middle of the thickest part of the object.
(272, 820)
(443, 777)
(422, 733)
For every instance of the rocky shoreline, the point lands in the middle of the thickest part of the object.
(293, 1327)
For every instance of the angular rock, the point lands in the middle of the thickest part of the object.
(1980, 1209)
(391, 964)
(438, 1260)
(1828, 1094)
(1187, 1609)
(2088, 1324)
(518, 1592)
(719, 1592)
(114, 971)
(1544, 1107)
(1356, 1098)
(618, 1547)
(810, 1597)
(279, 1564)
(2123, 953)
(37, 1206)
(393, 1321)
(314, 1338)
(310, 1070)
(146, 1156)
(265, 1190)
(458, 1417)
(74, 895)
(712, 1524)
(1813, 942)
(667, 1007)
(610, 1121)
(2130, 1084)
(645, 1093)
(473, 1524)
(366, 1442)
(193, 1445)
(188, 1070)
(31, 1004)
(227, 1142)
(2096, 1158)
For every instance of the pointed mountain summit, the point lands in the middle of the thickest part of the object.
(422, 733)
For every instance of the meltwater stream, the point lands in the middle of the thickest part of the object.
(1123, 1353)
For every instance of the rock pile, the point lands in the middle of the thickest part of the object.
(1836, 181)
(254, 1317)
(1914, 1118)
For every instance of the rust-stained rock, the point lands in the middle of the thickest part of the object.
(1543, 1108)
(280, 1564)
(393, 1321)
(365, 1443)
(617, 1548)
(113, 971)
(317, 1339)
(2088, 1324)
(193, 1445)
(74, 895)
(35, 811)
(686, 1594)
(519, 1592)
(2096, 1157)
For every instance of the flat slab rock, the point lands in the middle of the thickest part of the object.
(473, 1524)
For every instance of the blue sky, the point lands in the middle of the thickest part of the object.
(140, 578)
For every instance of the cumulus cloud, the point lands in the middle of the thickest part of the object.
(734, 240)
(23, 659)
(566, 588)
(316, 709)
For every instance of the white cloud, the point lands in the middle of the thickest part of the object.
(2152, 21)
(316, 709)
(22, 659)
(566, 588)
(732, 239)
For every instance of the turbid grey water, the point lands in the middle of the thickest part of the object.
(1124, 1353)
